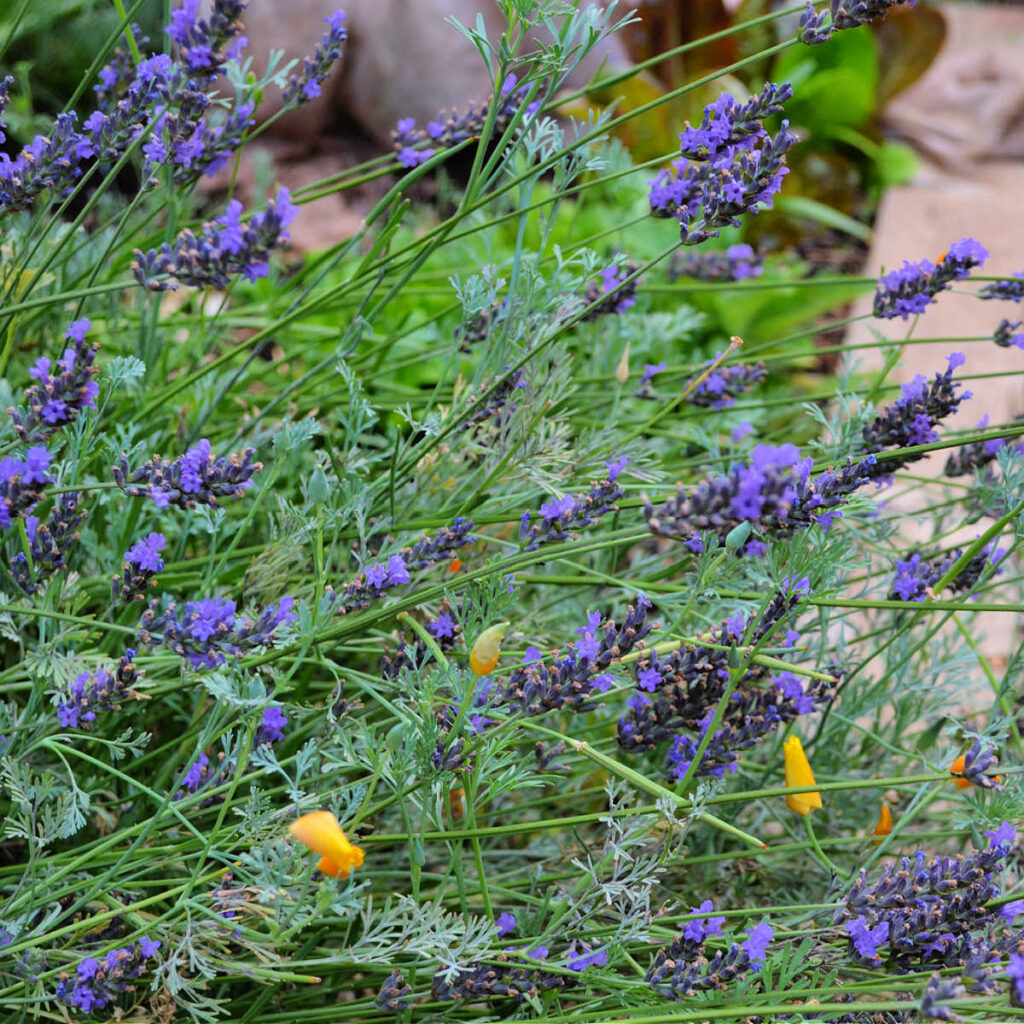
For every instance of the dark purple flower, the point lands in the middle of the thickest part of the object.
(561, 517)
(452, 127)
(908, 290)
(719, 389)
(1007, 334)
(271, 728)
(315, 69)
(818, 28)
(730, 165)
(393, 996)
(205, 632)
(21, 484)
(60, 394)
(96, 692)
(97, 983)
(49, 543)
(700, 928)
(587, 957)
(737, 263)
(505, 923)
(612, 294)
(756, 946)
(223, 249)
(915, 577)
(201, 42)
(1010, 288)
(867, 940)
(1004, 835)
(196, 478)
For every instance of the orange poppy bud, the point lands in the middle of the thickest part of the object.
(884, 826)
(320, 831)
(798, 773)
(955, 769)
(483, 658)
(455, 566)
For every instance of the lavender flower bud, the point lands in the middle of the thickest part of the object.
(195, 478)
(98, 982)
(561, 516)
(978, 454)
(142, 562)
(394, 993)
(58, 398)
(719, 389)
(271, 728)
(915, 577)
(95, 692)
(737, 263)
(1006, 334)
(21, 484)
(201, 775)
(497, 406)
(907, 291)
(49, 543)
(451, 127)
(610, 293)
(1011, 288)
(730, 165)
(304, 87)
(912, 418)
(224, 248)
(201, 41)
(206, 631)
(497, 980)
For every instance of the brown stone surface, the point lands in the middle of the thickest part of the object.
(965, 117)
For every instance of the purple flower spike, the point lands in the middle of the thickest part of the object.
(272, 727)
(908, 290)
(223, 249)
(196, 478)
(304, 87)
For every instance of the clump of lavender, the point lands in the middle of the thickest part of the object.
(610, 293)
(1007, 334)
(1009, 288)
(774, 492)
(559, 518)
(304, 87)
(142, 562)
(818, 28)
(931, 911)
(446, 631)
(718, 390)
(978, 454)
(380, 577)
(205, 632)
(677, 695)
(496, 406)
(95, 692)
(99, 981)
(202, 775)
(575, 677)
(22, 483)
(452, 127)
(912, 418)
(49, 543)
(730, 165)
(686, 966)
(916, 576)
(223, 249)
(201, 42)
(501, 978)
(272, 725)
(393, 996)
(908, 290)
(195, 478)
(61, 392)
(646, 389)
(737, 263)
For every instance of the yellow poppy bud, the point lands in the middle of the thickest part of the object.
(884, 826)
(798, 773)
(320, 831)
(483, 658)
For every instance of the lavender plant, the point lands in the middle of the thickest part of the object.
(428, 711)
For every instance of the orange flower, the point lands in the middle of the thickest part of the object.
(956, 768)
(320, 831)
(798, 773)
(884, 826)
(456, 565)
(483, 658)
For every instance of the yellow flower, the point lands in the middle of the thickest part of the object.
(798, 773)
(884, 826)
(483, 658)
(320, 831)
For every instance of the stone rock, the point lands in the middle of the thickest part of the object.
(402, 59)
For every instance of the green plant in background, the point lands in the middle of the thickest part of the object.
(471, 555)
